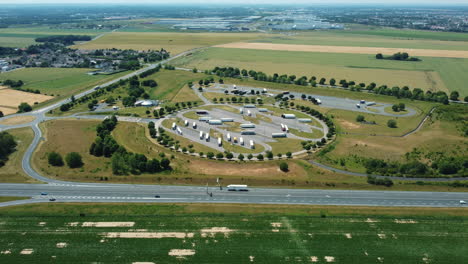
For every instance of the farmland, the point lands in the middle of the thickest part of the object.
(374, 38)
(231, 233)
(444, 74)
(173, 42)
(58, 82)
(10, 99)
(346, 49)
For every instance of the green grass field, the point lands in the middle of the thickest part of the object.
(436, 136)
(21, 37)
(433, 74)
(59, 82)
(12, 171)
(172, 85)
(232, 234)
(173, 42)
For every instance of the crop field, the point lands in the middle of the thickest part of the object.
(372, 38)
(10, 99)
(201, 233)
(444, 74)
(173, 42)
(12, 171)
(57, 81)
(410, 34)
(346, 49)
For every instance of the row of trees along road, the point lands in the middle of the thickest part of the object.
(404, 92)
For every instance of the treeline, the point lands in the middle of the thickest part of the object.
(17, 85)
(122, 161)
(404, 92)
(150, 71)
(64, 39)
(441, 166)
(7, 146)
(399, 56)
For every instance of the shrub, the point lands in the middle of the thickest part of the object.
(284, 167)
(360, 118)
(392, 123)
(55, 159)
(74, 160)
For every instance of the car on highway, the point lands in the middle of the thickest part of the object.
(52, 199)
(157, 196)
(462, 202)
(44, 193)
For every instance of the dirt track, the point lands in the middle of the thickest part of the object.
(345, 49)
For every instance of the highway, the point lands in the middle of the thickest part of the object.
(88, 192)
(64, 191)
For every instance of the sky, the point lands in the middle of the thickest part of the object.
(305, 2)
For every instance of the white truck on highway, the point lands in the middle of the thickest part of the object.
(238, 187)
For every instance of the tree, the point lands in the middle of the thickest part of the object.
(210, 155)
(74, 160)
(395, 108)
(284, 166)
(269, 155)
(379, 56)
(153, 166)
(260, 157)
(194, 70)
(332, 82)
(55, 159)
(288, 154)
(152, 132)
(241, 157)
(220, 155)
(250, 156)
(7, 146)
(24, 107)
(401, 106)
(454, 96)
(1, 114)
(165, 163)
(392, 123)
(229, 155)
(360, 118)
(466, 99)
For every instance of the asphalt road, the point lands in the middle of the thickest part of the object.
(76, 192)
